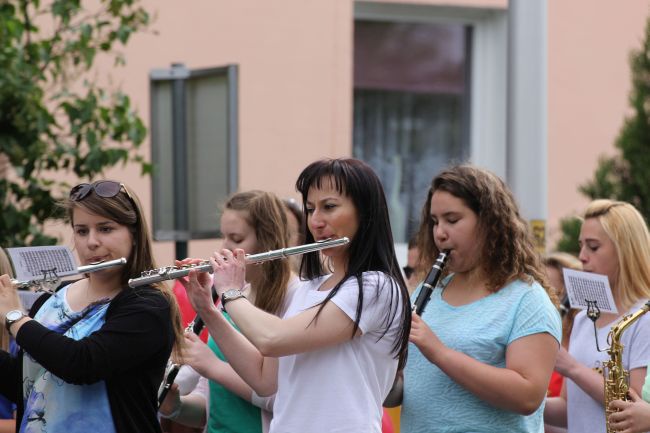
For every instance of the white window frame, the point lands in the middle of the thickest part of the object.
(488, 76)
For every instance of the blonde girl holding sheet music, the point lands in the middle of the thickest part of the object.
(614, 241)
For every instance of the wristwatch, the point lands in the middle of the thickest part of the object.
(13, 316)
(230, 295)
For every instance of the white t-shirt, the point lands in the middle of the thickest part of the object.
(584, 414)
(341, 389)
(203, 388)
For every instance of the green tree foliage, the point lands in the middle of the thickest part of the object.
(570, 228)
(53, 119)
(626, 175)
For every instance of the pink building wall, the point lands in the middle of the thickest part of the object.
(588, 86)
(295, 84)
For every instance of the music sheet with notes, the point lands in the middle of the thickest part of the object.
(586, 286)
(31, 263)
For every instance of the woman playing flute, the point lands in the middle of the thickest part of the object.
(94, 353)
(333, 356)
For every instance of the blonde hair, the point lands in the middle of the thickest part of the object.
(628, 231)
(266, 214)
(5, 268)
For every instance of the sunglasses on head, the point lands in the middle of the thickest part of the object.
(408, 271)
(103, 188)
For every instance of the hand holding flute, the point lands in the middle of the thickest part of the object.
(203, 289)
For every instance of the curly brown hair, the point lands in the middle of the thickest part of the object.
(507, 250)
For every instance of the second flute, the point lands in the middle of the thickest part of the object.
(174, 272)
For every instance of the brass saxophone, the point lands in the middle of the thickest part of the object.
(616, 377)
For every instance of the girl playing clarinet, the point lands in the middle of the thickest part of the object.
(485, 346)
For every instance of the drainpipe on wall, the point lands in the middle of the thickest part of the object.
(527, 111)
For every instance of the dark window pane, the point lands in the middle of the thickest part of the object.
(410, 105)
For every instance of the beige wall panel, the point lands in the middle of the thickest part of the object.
(295, 84)
(589, 80)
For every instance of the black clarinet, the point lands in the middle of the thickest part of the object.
(195, 326)
(430, 282)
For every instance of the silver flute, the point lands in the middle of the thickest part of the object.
(174, 272)
(51, 279)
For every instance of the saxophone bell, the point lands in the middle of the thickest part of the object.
(616, 377)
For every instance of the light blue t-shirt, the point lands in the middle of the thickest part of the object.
(483, 330)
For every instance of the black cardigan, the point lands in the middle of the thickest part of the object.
(129, 352)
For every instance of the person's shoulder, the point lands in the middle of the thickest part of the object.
(370, 279)
(377, 277)
(142, 296)
(378, 281)
(522, 293)
(523, 288)
(645, 317)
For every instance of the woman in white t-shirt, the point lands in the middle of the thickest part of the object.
(614, 241)
(333, 357)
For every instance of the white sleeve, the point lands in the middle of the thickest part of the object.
(379, 293)
(638, 345)
(203, 388)
(265, 403)
(186, 379)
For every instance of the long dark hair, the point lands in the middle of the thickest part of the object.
(372, 247)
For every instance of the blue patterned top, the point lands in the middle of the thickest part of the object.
(483, 329)
(7, 408)
(51, 404)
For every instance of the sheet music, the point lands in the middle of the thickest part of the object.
(586, 286)
(31, 263)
